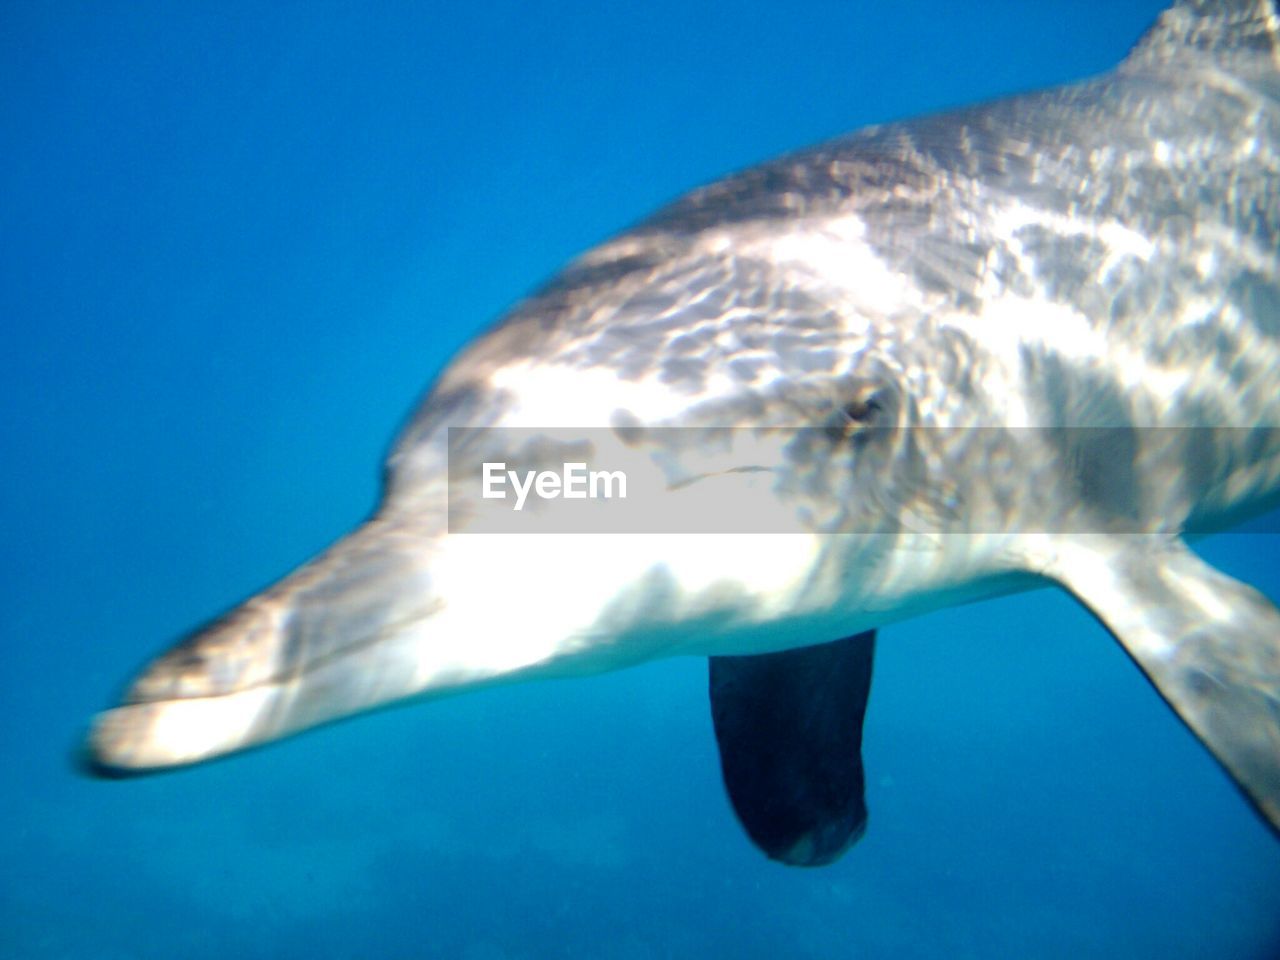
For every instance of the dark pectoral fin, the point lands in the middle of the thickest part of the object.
(789, 727)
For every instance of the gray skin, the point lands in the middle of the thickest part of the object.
(1036, 341)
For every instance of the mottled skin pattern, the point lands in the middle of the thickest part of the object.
(947, 300)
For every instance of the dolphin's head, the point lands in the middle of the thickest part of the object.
(772, 476)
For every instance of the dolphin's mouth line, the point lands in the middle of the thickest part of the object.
(304, 665)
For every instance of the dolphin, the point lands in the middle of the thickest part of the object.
(1034, 342)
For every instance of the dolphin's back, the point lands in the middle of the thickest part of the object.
(1088, 195)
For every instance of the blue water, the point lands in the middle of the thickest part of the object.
(237, 242)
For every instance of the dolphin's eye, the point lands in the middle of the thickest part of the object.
(862, 411)
(849, 421)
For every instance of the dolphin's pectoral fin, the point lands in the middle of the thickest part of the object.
(1209, 644)
(789, 727)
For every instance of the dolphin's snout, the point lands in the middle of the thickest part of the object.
(333, 638)
(213, 693)
(143, 737)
